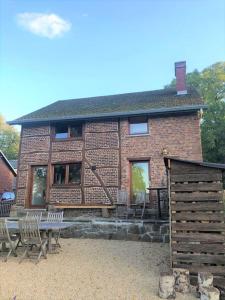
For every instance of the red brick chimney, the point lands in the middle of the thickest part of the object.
(180, 73)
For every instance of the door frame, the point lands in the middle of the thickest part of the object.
(30, 185)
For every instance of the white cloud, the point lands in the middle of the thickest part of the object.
(45, 25)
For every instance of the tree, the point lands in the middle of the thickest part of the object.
(138, 179)
(210, 84)
(9, 139)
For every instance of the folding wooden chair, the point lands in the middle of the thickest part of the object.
(141, 200)
(5, 208)
(55, 217)
(123, 208)
(30, 237)
(6, 238)
(34, 214)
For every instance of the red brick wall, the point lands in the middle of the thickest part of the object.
(107, 146)
(99, 147)
(6, 177)
(180, 135)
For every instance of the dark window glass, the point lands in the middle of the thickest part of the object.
(59, 174)
(61, 132)
(138, 125)
(75, 173)
(76, 130)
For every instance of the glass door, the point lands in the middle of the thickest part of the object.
(139, 177)
(39, 185)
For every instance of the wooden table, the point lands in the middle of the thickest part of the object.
(44, 226)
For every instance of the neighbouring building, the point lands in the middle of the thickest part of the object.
(77, 153)
(7, 175)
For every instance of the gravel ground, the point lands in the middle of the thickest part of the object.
(89, 269)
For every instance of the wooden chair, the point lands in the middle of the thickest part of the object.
(123, 208)
(30, 237)
(5, 208)
(5, 238)
(57, 217)
(141, 200)
(36, 214)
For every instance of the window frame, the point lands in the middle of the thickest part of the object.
(69, 125)
(67, 183)
(131, 121)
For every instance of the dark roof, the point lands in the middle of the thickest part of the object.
(13, 163)
(150, 102)
(3, 157)
(200, 163)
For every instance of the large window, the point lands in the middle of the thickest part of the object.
(67, 174)
(138, 125)
(139, 177)
(63, 131)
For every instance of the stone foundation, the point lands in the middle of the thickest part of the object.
(134, 230)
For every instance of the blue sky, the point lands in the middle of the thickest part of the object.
(52, 49)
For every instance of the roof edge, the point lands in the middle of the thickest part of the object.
(196, 162)
(158, 111)
(2, 155)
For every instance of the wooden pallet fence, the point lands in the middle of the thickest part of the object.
(197, 217)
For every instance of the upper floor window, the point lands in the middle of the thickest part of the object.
(63, 131)
(67, 173)
(138, 125)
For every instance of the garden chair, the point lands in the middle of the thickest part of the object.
(5, 208)
(5, 238)
(123, 208)
(30, 237)
(36, 214)
(57, 217)
(141, 202)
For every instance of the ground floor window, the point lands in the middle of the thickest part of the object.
(67, 174)
(139, 177)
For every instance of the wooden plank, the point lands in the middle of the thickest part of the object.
(199, 258)
(210, 248)
(198, 216)
(83, 206)
(205, 186)
(196, 177)
(109, 196)
(197, 206)
(186, 168)
(196, 237)
(193, 226)
(216, 270)
(219, 282)
(197, 196)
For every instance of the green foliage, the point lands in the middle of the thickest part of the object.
(138, 179)
(213, 133)
(9, 139)
(210, 83)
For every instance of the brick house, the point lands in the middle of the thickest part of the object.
(7, 174)
(78, 153)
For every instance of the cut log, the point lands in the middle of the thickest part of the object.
(210, 293)
(182, 280)
(167, 286)
(205, 279)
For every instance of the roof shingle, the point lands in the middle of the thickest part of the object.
(114, 105)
